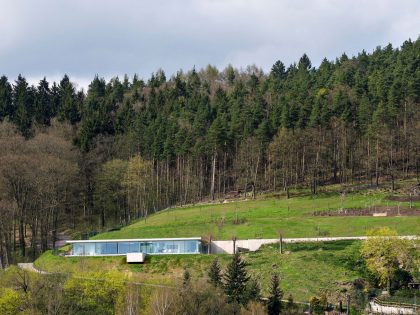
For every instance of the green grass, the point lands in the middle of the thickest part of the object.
(304, 269)
(308, 268)
(265, 216)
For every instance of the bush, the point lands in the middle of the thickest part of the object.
(96, 293)
(11, 302)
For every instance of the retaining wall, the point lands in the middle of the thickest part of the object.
(226, 247)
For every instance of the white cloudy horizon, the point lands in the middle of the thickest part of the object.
(107, 38)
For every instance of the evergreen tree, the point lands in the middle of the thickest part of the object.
(214, 273)
(68, 105)
(278, 71)
(55, 100)
(43, 103)
(125, 86)
(6, 107)
(304, 63)
(253, 290)
(23, 105)
(236, 279)
(230, 74)
(125, 116)
(274, 300)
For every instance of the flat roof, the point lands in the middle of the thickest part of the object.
(137, 240)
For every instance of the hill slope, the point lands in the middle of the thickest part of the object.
(262, 218)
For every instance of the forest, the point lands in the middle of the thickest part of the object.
(74, 160)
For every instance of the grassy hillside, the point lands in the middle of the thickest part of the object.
(265, 216)
(305, 269)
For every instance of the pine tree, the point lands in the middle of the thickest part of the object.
(5, 98)
(304, 63)
(43, 103)
(124, 117)
(214, 273)
(278, 70)
(274, 300)
(68, 105)
(23, 105)
(236, 279)
(253, 290)
(230, 74)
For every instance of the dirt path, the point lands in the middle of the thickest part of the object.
(30, 267)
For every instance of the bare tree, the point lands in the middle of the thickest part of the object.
(162, 301)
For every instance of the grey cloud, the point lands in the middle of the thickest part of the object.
(84, 38)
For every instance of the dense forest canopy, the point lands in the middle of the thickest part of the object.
(127, 148)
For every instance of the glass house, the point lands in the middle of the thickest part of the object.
(155, 246)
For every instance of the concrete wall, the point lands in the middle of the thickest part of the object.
(379, 309)
(226, 247)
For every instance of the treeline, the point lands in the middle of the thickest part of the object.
(143, 146)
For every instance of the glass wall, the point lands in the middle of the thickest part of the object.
(106, 248)
(128, 247)
(78, 249)
(149, 247)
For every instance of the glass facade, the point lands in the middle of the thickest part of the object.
(147, 247)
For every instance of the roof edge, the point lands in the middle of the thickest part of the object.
(135, 240)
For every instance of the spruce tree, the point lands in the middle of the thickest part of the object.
(253, 290)
(43, 103)
(274, 300)
(215, 277)
(23, 105)
(5, 98)
(68, 109)
(278, 71)
(236, 279)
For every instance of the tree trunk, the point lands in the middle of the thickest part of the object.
(377, 164)
(213, 176)
(22, 243)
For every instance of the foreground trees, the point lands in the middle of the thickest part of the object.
(385, 254)
(215, 273)
(274, 300)
(104, 293)
(235, 281)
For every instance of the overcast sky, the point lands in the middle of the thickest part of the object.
(87, 37)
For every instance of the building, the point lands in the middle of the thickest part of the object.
(151, 246)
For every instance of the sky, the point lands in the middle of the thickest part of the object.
(87, 37)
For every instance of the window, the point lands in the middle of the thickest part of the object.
(89, 249)
(191, 247)
(78, 249)
(128, 247)
(150, 247)
(106, 248)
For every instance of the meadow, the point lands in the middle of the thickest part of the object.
(267, 215)
(305, 269)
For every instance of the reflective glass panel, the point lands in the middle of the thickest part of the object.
(78, 249)
(128, 247)
(89, 249)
